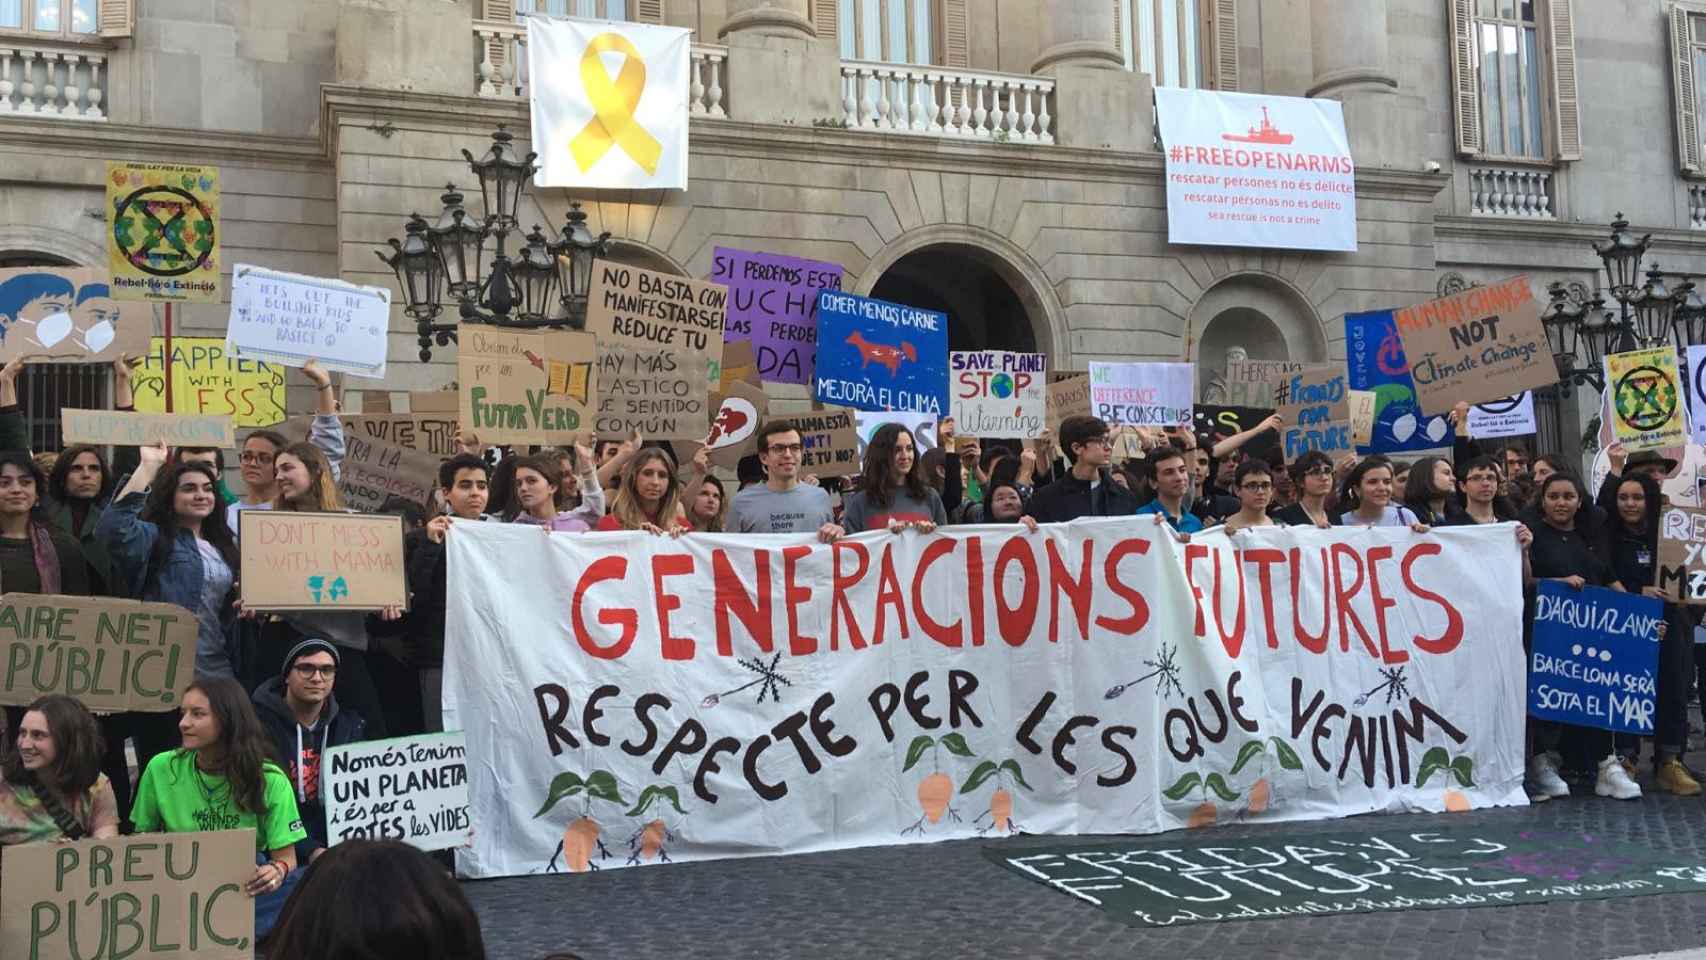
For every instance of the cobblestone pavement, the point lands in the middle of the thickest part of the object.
(947, 900)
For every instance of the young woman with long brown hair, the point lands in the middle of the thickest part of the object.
(892, 492)
(51, 785)
(649, 498)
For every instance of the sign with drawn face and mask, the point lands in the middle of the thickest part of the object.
(68, 314)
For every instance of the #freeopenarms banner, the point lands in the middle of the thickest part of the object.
(627, 698)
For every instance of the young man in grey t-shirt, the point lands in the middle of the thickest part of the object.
(782, 504)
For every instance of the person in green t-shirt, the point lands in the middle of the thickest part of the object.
(224, 778)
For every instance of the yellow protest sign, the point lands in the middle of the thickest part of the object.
(1645, 400)
(164, 238)
(208, 379)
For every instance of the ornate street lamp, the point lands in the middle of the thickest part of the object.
(1689, 324)
(1622, 255)
(536, 274)
(1654, 304)
(576, 250)
(420, 275)
(460, 242)
(503, 177)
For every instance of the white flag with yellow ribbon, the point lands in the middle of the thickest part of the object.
(609, 103)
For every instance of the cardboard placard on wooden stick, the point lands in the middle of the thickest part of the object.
(122, 428)
(321, 561)
(181, 892)
(111, 655)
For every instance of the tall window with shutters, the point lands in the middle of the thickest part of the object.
(597, 9)
(1688, 73)
(67, 19)
(893, 31)
(1180, 43)
(1514, 73)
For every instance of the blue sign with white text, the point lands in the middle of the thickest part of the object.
(1595, 658)
(1374, 357)
(880, 356)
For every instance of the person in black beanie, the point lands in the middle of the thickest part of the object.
(301, 716)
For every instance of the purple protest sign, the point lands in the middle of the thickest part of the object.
(773, 303)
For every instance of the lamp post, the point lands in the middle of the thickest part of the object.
(547, 285)
(1580, 330)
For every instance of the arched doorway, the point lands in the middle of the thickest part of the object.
(1256, 316)
(984, 310)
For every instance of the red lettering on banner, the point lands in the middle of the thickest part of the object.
(1129, 625)
(1196, 551)
(1016, 621)
(1342, 597)
(839, 605)
(1234, 641)
(889, 595)
(1264, 558)
(1077, 589)
(1314, 643)
(949, 635)
(974, 587)
(606, 568)
(1381, 603)
(731, 598)
(670, 565)
(795, 597)
(1453, 635)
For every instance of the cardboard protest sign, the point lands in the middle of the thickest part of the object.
(1682, 554)
(525, 387)
(1215, 423)
(1375, 361)
(123, 428)
(1315, 404)
(112, 655)
(1481, 344)
(740, 365)
(208, 379)
(413, 789)
(1504, 417)
(374, 470)
(1362, 415)
(998, 393)
(1142, 394)
(773, 306)
(291, 319)
(645, 310)
(433, 433)
(1067, 397)
(661, 394)
(321, 561)
(922, 426)
(1250, 383)
(879, 356)
(1695, 381)
(434, 401)
(150, 895)
(831, 440)
(740, 411)
(1595, 658)
(163, 231)
(68, 314)
(1644, 394)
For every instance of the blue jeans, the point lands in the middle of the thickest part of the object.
(269, 905)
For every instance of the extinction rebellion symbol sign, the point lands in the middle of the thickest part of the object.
(164, 241)
(1646, 398)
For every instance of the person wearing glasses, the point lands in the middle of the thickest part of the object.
(1086, 489)
(1312, 475)
(301, 717)
(262, 447)
(782, 504)
(1254, 484)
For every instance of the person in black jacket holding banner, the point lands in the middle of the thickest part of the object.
(1085, 490)
(302, 719)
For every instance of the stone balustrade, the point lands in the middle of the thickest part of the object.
(501, 68)
(53, 80)
(1511, 191)
(934, 101)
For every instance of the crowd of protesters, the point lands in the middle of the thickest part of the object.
(274, 691)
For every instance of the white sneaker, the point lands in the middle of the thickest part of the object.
(1614, 781)
(1543, 776)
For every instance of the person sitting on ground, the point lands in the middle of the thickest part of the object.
(333, 915)
(1172, 482)
(1085, 489)
(223, 777)
(1254, 482)
(539, 491)
(781, 503)
(649, 499)
(51, 784)
(892, 494)
(302, 718)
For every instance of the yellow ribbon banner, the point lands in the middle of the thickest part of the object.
(614, 104)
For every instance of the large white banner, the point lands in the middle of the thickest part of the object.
(1252, 170)
(609, 103)
(629, 698)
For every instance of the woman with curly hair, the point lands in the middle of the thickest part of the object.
(223, 777)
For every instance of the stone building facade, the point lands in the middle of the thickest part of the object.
(995, 159)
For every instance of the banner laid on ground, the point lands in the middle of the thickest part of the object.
(998, 393)
(1248, 170)
(1645, 396)
(773, 305)
(1682, 554)
(1481, 344)
(413, 789)
(1696, 384)
(151, 895)
(208, 379)
(163, 236)
(291, 319)
(68, 314)
(727, 695)
(112, 655)
(1504, 417)
(526, 387)
(1375, 361)
(124, 428)
(609, 103)
(1315, 405)
(880, 356)
(1595, 659)
(321, 561)
(1151, 395)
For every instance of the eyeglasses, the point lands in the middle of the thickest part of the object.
(257, 459)
(1258, 487)
(793, 448)
(307, 670)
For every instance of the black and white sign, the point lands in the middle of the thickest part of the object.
(413, 789)
(1505, 417)
(290, 319)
